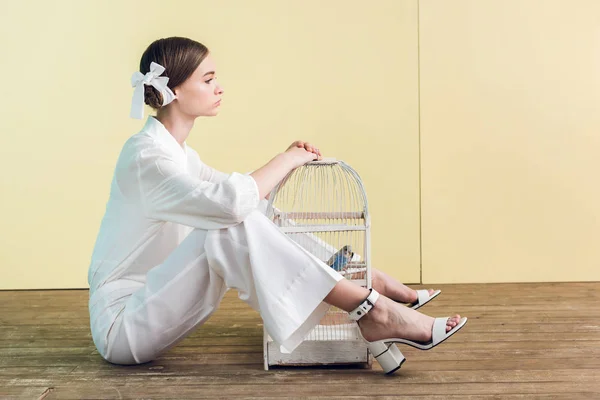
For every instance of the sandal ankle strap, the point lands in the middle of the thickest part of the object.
(365, 306)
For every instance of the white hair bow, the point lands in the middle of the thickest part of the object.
(138, 80)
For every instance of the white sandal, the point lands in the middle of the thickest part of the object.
(423, 298)
(385, 351)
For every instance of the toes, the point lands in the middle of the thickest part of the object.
(452, 322)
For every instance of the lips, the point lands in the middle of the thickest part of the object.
(218, 103)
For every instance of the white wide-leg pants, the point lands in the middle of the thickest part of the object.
(274, 275)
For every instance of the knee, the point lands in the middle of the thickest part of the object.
(119, 357)
(117, 350)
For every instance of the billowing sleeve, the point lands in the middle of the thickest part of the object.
(169, 193)
(212, 175)
(208, 173)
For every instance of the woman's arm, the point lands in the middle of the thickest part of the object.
(273, 172)
(168, 193)
(268, 176)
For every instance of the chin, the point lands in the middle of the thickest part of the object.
(211, 113)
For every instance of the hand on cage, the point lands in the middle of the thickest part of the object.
(306, 146)
(299, 156)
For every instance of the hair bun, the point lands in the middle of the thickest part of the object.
(152, 97)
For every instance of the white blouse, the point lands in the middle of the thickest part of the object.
(160, 192)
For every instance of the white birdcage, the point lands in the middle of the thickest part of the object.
(323, 207)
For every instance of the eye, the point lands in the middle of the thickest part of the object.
(210, 80)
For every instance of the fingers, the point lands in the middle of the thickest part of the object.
(308, 147)
(312, 156)
(303, 154)
(312, 149)
(297, 143)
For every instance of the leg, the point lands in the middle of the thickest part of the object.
(393, 289)
(271, 273)
(280, 279)
(290, 288)
(313, 288)
(390, 287)
(388, 318)
(178, 295)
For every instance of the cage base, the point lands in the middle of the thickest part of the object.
(319, 352)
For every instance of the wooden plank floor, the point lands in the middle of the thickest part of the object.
(523, 341)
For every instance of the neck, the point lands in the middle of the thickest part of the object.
(179, 126)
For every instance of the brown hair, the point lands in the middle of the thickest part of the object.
(180, 56)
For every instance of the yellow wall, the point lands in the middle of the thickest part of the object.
(501, 96)
(510, 140)
(336, 73)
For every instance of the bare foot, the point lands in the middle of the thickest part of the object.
(391, 288)
(388, 319)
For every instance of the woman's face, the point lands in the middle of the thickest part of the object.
(200, 94)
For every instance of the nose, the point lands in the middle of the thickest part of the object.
(219, 89)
